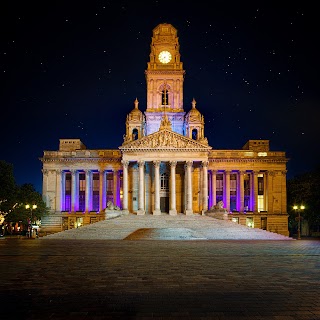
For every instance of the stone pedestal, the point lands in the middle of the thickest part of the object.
(156, 212)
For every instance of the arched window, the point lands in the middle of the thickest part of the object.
(135, 134)
(164, 97)
(195, 134)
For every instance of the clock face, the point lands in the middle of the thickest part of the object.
(164, 56)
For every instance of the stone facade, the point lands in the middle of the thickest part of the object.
(165, 164)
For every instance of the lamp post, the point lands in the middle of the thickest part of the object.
(298, 209)
(34, 206)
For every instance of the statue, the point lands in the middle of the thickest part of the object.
(112, 211)
(110, 205)
(218, 211)
(218, 206)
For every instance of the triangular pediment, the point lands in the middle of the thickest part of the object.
(165, 140)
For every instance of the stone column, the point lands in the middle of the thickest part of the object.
(156, 210)
(214, 187)
(141, 210)
(188, 167)
(88, 191)
(74, 190)
(58, 190)
(255, 190)
(205, 186)
(102, 190)
(241, 191)
(125, 186)
(284, 191)
(227, 190)
(265, 192)
(63, 190)
(173, 209)
(115, 188)
(45, 173)
(270, 177)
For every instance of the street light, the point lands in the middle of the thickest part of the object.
(34, 206)
(298, 209)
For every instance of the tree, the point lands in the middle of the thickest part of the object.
(305, 190)
(26, 194)
(13, 198)
(8, 190)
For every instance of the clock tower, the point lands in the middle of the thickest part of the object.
(164, 76)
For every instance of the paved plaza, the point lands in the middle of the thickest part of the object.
(191, 278)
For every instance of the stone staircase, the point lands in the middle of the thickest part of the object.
(166, 227)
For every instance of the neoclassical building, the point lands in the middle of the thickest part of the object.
(165, 164)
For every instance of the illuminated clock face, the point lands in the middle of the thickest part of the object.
(164, 56)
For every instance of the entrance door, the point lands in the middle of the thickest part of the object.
(164, 204)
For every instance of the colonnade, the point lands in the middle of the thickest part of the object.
(208, 188)
(172, 204)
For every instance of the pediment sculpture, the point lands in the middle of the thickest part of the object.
(165, 139)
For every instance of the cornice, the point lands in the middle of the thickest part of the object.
(161, 72)
(163, 149)
(249, 160)
(80, 160)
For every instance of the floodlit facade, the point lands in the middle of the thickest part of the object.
(165, 164)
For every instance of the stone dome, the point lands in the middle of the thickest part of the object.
(135, 114)
(194, 114)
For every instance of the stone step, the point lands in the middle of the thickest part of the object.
(165, 227)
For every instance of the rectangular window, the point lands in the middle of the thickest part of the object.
(233, 192)
(246, 192)
(249, 222)
(67, 198)
(235, 219)
(95, 191)
(260, 186)
(264, 223)
(82, 191)
(109, 186)
(219, 191)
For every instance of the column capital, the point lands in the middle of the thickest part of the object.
(227, 172)
(73, 172)
(156, 163)
(271, 173)
(242, 172)
(188, 164)
(173, 163)
(87, 171)
(45, 171)
(255, 172)
(141, 163)
(205, 163)
(125, 163)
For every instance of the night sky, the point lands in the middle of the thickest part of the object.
(72, 69)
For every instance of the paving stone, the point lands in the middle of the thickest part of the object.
(84, 278)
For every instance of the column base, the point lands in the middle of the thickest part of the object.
(203, 212)
(125, 211)
(188, 212)
(172, 212)
(156, 212)
(141, 212)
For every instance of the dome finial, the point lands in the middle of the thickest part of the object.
(193, 103)
(136, 102)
